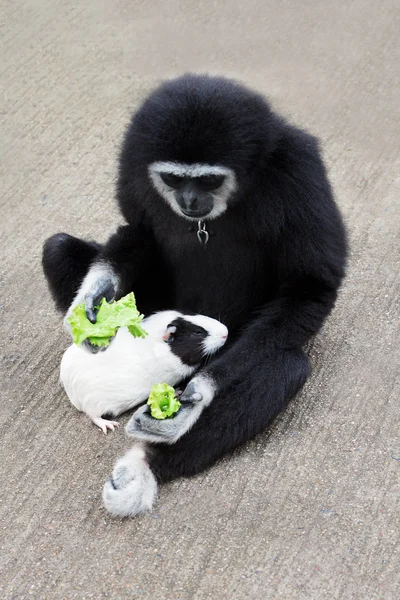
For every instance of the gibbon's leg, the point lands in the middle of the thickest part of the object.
(79, 271)
(66, 260)
(284, 324)
(235, 416)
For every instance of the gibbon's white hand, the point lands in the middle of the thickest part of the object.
(98, 284)
(198, 394)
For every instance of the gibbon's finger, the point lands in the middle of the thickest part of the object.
(91, 310)
(102, 288)
(86, 345)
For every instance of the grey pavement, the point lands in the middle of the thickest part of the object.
(308, 510)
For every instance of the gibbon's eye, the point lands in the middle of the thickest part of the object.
(171, 180)
(210, 182)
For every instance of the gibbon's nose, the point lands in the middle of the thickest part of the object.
(189, 201)
(193, 205)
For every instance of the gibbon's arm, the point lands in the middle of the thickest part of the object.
(286, 323)
(114, 270)
(310, 266)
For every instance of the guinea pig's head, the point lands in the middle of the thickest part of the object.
(191, 338)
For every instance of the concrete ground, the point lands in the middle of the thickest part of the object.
(309, 510)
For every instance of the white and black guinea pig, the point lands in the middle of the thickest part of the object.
(122, 376)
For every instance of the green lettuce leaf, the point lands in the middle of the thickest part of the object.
(162, 401)
(110, 317)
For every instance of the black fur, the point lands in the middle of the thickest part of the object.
(187, 341)
(244, 409)
(66, 260)
(270, 272)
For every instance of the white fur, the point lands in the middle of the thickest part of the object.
(220, 195)
(132, 487)
(121, 377)
(96, 272)
(205, 386)
(213, 340)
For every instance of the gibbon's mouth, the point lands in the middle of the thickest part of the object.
(196, 214)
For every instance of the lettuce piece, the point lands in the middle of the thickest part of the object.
(162, 401)
(110, 317)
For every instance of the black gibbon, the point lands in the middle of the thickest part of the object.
(229, 213)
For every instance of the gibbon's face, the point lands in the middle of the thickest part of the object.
(194, 191)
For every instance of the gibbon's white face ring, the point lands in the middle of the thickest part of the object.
(220, 195)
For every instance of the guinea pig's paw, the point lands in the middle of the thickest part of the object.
(105, 424)
(132, 487)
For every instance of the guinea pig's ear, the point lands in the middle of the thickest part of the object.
(169, 335)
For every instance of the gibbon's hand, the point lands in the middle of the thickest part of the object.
(198, 394)
(102, 288)
(91, 293)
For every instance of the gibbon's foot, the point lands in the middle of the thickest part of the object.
(132, 487)
(104, 424)
(198, 394)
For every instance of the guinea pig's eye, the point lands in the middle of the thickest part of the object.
(197, 333)
(171, 180)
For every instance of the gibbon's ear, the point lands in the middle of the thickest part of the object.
(169, 334)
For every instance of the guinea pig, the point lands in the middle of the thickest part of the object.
(121, 377)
